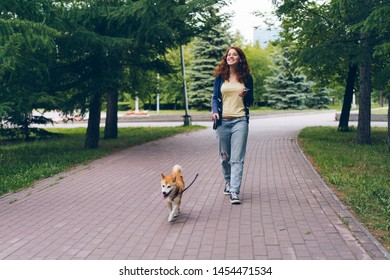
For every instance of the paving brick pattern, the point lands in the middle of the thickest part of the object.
(112, 208)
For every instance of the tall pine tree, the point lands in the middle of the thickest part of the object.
(207, 50)
(287, 88)
(319, 99)
(27, 50)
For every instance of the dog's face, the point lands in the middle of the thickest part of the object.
(168, 185)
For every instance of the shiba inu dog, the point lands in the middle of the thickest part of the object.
(172, 187)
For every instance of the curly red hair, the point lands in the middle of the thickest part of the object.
(223, 69)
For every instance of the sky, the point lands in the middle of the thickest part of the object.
(243, 20)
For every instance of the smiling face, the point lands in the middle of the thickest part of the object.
(168, 184)
(232, 57)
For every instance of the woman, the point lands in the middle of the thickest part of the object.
(233, 94)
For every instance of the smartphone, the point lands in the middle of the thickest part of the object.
(215, 124)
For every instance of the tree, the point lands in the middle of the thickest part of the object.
(96, 41)
(287, 88)
(259, 62)
(171, 83)
(121, 34)
(373, 26)
(336, 33)
(348, 97)
(318, 99)
(207, 49)
(388, 125)
(321, 45)
(27, 50)
(368, 23)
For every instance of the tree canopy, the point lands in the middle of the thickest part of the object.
(332, 39)
(208, 50)
(73, 53)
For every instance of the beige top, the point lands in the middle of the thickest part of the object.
(233, 104)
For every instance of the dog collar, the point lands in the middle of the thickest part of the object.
(176, 194)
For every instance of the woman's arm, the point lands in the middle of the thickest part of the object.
(216, 99)
(249, 98)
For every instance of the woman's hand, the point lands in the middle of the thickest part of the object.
(215, 116)
(243, 93)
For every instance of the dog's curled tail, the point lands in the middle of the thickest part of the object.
(176, 169)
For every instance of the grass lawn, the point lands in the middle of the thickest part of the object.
(382, 110)
(23, 163)
(359, 174)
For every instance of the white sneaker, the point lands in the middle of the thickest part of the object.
(234, 199)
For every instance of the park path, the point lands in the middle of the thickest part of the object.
(112, 208)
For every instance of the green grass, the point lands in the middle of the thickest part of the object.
(382, 110)
(359, 174)
(375, 106)
(24, 163)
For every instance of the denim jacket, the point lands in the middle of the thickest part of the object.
(216, 102)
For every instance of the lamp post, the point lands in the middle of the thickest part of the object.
(187, 118)
(136, 104)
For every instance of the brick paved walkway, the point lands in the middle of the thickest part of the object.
(113, 209)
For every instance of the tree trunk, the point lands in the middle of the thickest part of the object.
(111, 128)
(348, 96)
(381, 99)
(93, 130)
(388, 125)
(364, 121)
(25, 128)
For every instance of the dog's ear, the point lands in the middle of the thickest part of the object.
(163, 176)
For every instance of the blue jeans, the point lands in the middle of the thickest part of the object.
(232, 137)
